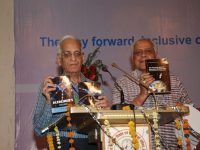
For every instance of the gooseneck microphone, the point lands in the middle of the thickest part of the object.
(138, 82)
(105, 69)
(122, 103)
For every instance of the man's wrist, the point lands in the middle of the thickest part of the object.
(138, 100)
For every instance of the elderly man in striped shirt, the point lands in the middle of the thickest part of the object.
(139, 96)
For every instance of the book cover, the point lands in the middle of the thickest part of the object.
(62, 95)
(88, 90)
(159, 69)
(84, 88)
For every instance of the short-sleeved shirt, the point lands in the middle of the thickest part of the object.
(43, 113)
(178, 94)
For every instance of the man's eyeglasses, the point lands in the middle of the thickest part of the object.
(146, 52)
(68, 54)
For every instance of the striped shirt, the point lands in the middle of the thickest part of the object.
(178, 94)
(43, 113)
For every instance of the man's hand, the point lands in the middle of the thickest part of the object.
(48, 86)
(146, 79)
(102, 102)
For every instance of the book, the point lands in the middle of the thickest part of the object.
(159, 69)
(88, 91)
(62, 95)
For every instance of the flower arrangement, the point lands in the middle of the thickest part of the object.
(186, 131)
(50, 139)
(50, 142)
(155, 126)
(132, 130)
(57, 137)
(91, 69)
(110, 140)
(133, 134)
(70, 134)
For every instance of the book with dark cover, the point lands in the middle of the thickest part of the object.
(92, 89)
(159, 69)
(88, 90)
(62, 95)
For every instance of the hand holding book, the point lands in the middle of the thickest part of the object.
(102, 102)
(159, 69)
(62, 95)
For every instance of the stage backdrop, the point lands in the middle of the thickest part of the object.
(113, 25)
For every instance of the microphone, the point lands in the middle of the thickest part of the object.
(61, 123)
(122, 103)
(105, 69)
(138, 82)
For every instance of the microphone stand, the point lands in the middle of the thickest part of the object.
(122, 103)
(138, 82)
(121, 91)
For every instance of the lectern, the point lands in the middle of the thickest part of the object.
(118, 120)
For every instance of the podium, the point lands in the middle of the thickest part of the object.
(85, 124)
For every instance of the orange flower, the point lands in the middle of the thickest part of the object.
(131, 128)
(134, 140)
(177, 124)
(133, 134)
(188, 141)
(51, 147)
(49, 137)
(68, 118)
(136, 145)
(69, 124)
(70, 134)
(126, 108)
(185, 125)
(188, 147)
(179, 138)
(185, 120)
(72, 148)
(179, 104)
(69, 106)
(71, 141)
(50, 142)
(179, 143)
(131, 123)
(186, 131)
(67, 113)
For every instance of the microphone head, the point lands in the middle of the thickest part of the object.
(105, 69)
(114, 65)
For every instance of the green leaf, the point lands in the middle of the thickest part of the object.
(91, 56)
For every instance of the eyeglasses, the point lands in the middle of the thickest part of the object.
(146, 52)
(68, 54)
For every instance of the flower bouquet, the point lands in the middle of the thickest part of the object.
(91, 69)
